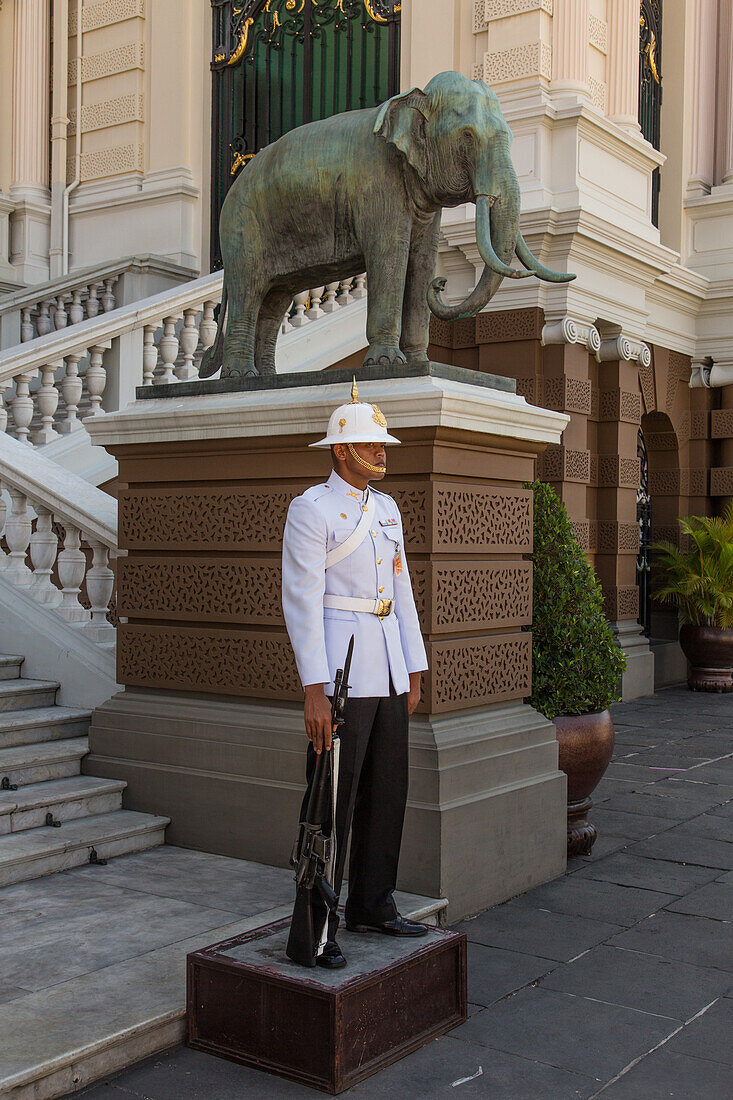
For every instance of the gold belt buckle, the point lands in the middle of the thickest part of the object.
(385, 608)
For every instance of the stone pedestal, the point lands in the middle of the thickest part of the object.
(327, 1029)
(209, 727)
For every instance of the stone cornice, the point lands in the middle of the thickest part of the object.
(406, 403)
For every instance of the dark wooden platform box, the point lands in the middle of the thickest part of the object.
(326, 1029)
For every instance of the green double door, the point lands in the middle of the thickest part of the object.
(280, 63)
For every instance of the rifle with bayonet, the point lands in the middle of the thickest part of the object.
(314, 854)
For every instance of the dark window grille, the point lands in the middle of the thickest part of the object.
(280, 63)
(650, 84)
(644, 519)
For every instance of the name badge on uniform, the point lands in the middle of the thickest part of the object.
(388, 523)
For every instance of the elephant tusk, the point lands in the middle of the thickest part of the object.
(534, 266)
(485, 246)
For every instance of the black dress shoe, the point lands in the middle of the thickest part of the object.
(331, 957)
(398, 926)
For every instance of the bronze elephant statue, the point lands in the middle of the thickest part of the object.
(363, 191)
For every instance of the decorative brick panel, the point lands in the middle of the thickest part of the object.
(616, 472)
(621, 602)
(237, 590)
(240, 518)
(476, 671)
(559, 463)
(678, 377)
(472, 596)
(721, 424)
(660, 441)
(225, 662)
(528, 389)
(664, 483)
(694, 483)
(581, 527)
(480, 518)
(699, 425)
(593, 536)
(619, 405)
(571, 395)
(721, 481)
(646, 381)
(618, 538)
(511, 324)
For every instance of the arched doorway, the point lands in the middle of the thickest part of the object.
(280, 63)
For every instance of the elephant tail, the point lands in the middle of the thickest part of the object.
(211, 360)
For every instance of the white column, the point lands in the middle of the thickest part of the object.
(703, 32)
(570, 46)
(622, 63)
(29, 163)
(725, 93)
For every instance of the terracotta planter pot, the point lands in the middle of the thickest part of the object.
(709, 650)
(586, 747)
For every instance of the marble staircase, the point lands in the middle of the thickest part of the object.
(51, 816)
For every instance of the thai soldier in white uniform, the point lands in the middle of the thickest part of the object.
(344, 573)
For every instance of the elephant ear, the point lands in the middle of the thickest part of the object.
(402, 121)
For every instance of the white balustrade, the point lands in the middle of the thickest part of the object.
(53, 381)
(70, 575)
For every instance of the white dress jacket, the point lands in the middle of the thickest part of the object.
(319, 520)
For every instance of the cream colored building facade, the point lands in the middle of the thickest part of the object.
(106, 151)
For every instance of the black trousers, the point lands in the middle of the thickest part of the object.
(372, 792)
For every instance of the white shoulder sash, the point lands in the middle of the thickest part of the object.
(355, 539)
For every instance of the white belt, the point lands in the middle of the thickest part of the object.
(383, 608)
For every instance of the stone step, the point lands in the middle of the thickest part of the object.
(29, 727)
(10, 666)
(66, 799)
(26, 764)
(133, 1006)
(22, 694)
(38, 852)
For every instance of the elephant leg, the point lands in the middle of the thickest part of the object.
(268, 327)
(386, 264)
(239, 341)
(420, 272)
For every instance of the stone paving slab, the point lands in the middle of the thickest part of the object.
(612, 981)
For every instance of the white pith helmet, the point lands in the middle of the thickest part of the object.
(356, 422)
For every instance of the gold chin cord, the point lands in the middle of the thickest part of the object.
(362, 462)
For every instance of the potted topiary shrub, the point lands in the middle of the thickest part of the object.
(699, 584)
(576, 663)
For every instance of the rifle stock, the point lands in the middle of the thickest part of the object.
(314, 854)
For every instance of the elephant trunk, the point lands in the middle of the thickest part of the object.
(497, 237)
(497, 227)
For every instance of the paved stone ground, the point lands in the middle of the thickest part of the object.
(616, 979)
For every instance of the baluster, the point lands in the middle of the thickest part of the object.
(44, 547)
(71, 567)
(3, 411)
(92, 302)
(26, 325)
(60, 317)
(359, 290)
(344, 298)
(329, 304)
(96, 379)
(207, 327)
(108, 298)
(47, 399)
(18, 535)
(286, 326)
(22, 405)
(301, 301)
(43, 320)
(150, 354)
(315, 310)
(76, 309)
(71, 386)
(100, 584)
(189, 340)
(168, 348)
